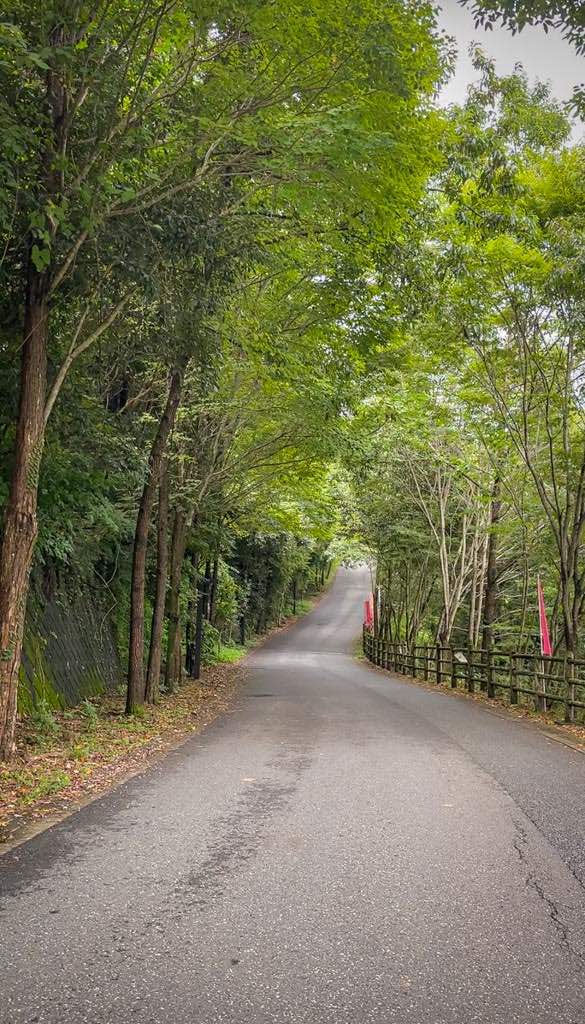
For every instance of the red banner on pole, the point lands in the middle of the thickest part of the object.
(545, 645)
(369, 612)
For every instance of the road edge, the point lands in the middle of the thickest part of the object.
(553, 732)
(30, 829)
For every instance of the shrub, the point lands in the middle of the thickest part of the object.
(51, 783)
(90, 713)
(44, 720)
(210, 642)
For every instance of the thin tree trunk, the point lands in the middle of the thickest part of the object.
(135, 693)
(173, 665)
(568, 630)
(524, 612)
(191, 624)
(213, 589)
(207, 577)
(481, 591)
(490, 605)
(473, 595)
(201, 603)
(20, 520)
(158, 613)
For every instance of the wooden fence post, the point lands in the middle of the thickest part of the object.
(543, 700)
(483, 673)
(569, 689)
(405, 658)
(453, 669)
(538, 700)
(489, 667)
(513, 680)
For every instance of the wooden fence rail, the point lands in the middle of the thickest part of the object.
(548, 682)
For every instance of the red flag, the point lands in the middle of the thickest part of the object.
(369, 612)
(545, 647)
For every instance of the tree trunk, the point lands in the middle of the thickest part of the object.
(201, 603)
(173, 665)
(207, 573)
(567, 610)
(135, 693)
(158, 613)
(20, 518)
(191, 624)
(213, 589)
(20, 521)
(491, 587)
(490, 606)
(473, 598)
(521, 643)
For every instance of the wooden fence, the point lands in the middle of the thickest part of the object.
(548, 683)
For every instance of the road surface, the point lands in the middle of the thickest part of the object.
(342, 848)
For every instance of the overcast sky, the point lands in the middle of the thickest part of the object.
(547, 57)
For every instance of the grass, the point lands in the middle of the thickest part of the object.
(52, 782)
(358, 650)
(228, 654)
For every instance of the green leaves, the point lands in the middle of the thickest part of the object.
(215, 187)
(41, 257)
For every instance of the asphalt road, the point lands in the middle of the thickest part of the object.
(342, 847)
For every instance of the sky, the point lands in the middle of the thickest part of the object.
(547, 57)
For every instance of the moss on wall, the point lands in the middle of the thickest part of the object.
(69, 651)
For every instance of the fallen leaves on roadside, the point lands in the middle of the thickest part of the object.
(85, 754)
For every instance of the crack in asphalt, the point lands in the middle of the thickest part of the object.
(487, 772)
(522, 846)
